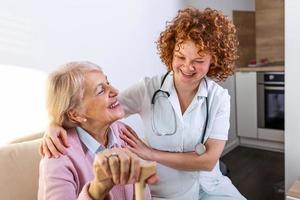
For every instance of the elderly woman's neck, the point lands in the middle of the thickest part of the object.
(99, 133)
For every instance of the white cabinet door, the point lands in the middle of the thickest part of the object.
(246, 104)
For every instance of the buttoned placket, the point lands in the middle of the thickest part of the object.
(196, 104)
(183, 120)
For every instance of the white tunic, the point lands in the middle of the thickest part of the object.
(176, 184)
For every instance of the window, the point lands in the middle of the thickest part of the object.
(22, 102)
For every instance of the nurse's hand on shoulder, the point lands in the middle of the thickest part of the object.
(113, 167)
(55, 142)
(136, 145)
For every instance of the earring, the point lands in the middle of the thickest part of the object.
(84, 119)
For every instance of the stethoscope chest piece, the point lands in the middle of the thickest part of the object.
(200, 149)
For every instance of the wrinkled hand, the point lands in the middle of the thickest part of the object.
(115, 166)
(54, 141)
(136, 145)
(118, 164)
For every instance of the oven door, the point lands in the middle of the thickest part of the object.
(274, 106)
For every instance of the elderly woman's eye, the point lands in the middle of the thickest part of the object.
(100, 92)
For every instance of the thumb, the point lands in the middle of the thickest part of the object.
(153, 179)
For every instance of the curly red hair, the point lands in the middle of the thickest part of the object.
(210, 30)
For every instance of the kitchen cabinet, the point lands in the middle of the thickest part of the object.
(246, 104)
(269, 24)
(263, 38)
(244, 22)
(246, 116)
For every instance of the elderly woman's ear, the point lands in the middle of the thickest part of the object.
(75, 117)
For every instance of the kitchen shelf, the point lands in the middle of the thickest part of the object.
(279, 68)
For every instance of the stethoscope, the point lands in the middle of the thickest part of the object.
(200, 148)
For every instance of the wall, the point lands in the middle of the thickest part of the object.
(118, 35)
(227, 6)
(292, 93)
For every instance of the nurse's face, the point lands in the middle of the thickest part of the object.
(100, 104)
(188, 65)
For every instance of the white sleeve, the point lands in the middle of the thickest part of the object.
(220, 123)
(132, 98)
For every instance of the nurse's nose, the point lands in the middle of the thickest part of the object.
(190, 66)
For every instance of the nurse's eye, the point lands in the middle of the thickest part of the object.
(180, 57)
(199, 61)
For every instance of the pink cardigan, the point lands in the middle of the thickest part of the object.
(68, 177)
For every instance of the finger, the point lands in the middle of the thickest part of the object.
(53, 151)
(135, 170)
(45, 149)
(124, 167)
(128, 141)
(41, 152)
(128, 134)
(153, 179)
(64, 137)
(132, 149)
(101, 168)
(114, 167)
(132, 131)
(58, 144)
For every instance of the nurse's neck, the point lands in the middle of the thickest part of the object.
(185, 93)
(185, 88)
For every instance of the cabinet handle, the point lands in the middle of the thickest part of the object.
(273, 88)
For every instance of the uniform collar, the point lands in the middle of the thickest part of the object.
(203, 88)
(93, 145)
(168, 86)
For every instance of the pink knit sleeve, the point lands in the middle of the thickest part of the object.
(84, 194)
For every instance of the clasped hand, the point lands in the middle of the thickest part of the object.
(115, 166)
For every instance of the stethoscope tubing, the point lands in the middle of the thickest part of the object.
(168, 95)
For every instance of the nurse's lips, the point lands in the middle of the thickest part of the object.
(187, 74)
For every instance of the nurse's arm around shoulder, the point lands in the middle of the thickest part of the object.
(188, 161)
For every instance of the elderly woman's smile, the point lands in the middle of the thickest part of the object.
(100, 103)
(114, 105)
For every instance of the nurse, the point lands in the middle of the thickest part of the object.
(185, 112)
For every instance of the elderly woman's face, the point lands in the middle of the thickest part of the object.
(100, 103)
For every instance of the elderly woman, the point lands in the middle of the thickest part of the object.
(81, 100)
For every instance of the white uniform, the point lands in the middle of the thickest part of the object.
(175, 184)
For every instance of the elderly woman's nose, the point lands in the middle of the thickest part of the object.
(113, 91)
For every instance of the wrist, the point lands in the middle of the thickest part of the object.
(152, 155)
(98, 190)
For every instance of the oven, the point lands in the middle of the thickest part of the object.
(270, 102)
